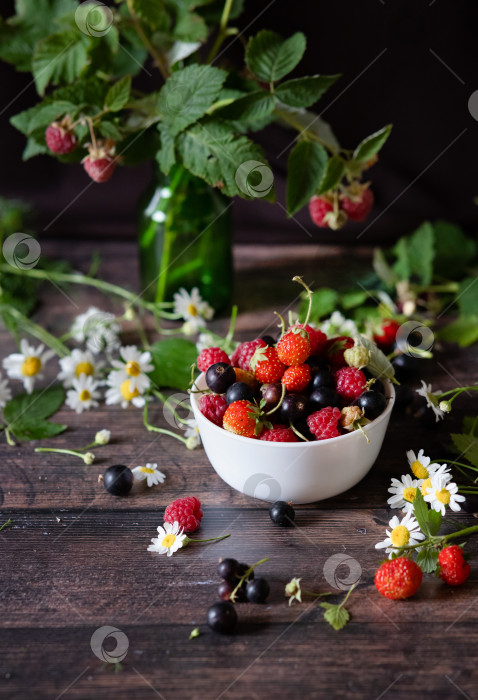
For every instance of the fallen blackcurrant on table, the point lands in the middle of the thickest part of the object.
(118, 480)
(282, 513)
(222, 617)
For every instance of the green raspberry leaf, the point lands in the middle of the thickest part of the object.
(304, 92)
(372, 144)
(454, 251)
(422, 513)
(118, 94)
(59, 58)
(336, 615)
(152, 12)
(270, 57)
(40, 404)
(467, 296)
(333, 174)
(324, 302)
(468, 446)
(463, 331)
(427, 560)
(172, 359)
(434, 522)
(27, 429)
(305, 169)
(257, 105)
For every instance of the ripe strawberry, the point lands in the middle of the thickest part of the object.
(294, 347)
(279, 433)
(317, 338)
(454, 570)
(243, 418)
(100, 161)
(334, 350)
(60, 138)
(267, 366)
(398, 578)
(358, 202)
(242, 355)
(296, 378)
(209, 356)
(388, 332)
(322, 213)
(350, 382)
(213, 406)
(324, 423)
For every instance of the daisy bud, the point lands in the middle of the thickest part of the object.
(293, 590)
(102, 437)
(89, 458)
(192, 442)
(445, 406)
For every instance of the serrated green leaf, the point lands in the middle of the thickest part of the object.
(40, 404)
(32, 149)
(421, 512)
(467, 446)
(454, 251)
(188, 94)
(151, 11)
(59, 58)
(172, 359)
(26, 430)
(109, 131)
(421, 251)
(470, 425)
(333, 174)
(304, 92)
(427, 560)
(467, 296)
(189, 27)
(463, 331)
(302, 120)
(305, 169)
(270, 57)
(118, 94)
(336, 615)
(402, 266)
(434, 521)
(383, 269)
(257, 105)
(372, 144)
(166, 155)
(351, 299)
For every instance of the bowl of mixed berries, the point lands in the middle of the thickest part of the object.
(299, 418)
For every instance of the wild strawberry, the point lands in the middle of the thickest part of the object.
(454, 570)
(294, 347)
(244, 418)
(388, 332)
(323, 215)
(350, 382)
(60, 138)
(279, 433)
(267, 366)
(317, 338)
(100, 161)
(358, 201)
(398, 578)
(296, 378)
(242, 355)
(213, 406)
(209, 356)
(334, 350)
(324, 423)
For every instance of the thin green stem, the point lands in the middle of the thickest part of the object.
(6, 524)
(162, 431)
(8, 437)
(36, 331)
(159, 59)
(60, 450)
(348, 595)
(245, 577)
(223, 31)
(457, 392)
(210, 539)
(442, 539)
(289, 118)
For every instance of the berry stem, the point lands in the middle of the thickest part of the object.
(437, 541)
(223, 31)
(309, 296)
(162, 431)
(6, 524)
(281, 324)
(280, 402)
(8, 437)
(245, 577)
(60, 450)
(317, 595)
(294, 430)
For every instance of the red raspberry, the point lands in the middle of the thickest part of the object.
(335, 348)
(279, 433)
(398, 578)
(359, 204)
(350, 382)
(266, 365)
(242, 418)
(213, 406)
(242, 355)
(187, 511)
(317, 338)
(319, 207)
(294, 347)
(59, 139)
(296, 378)
(454, 570)
(99, 169)
(386, 338)
(324, 423)
(209, 356)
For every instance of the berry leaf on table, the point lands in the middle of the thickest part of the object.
(172, 359)
(336, 615)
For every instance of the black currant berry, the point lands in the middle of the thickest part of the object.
(118, 480)
(241, 570)
(219, 377)
(271, 393)
(257, 590)
(294, 408)
(406, 367)
(239, 391)
(268, 339)
(377, 386)
(282, 513)
(222, 617)
(226, 588)
(316, 363)
(323, 397)
(323, 377)
(227, 569)
(372, 403)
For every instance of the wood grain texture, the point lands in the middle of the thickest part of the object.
(76, 560)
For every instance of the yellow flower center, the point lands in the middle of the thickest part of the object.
(400, 536)
(126, 391)
(443, 496)
(192, 311)
(427, 484)
(419, 470)
(409, 494)
(31, 366)
(84, 368)
(168, 541)
(146, 470)
(133, 369)
(84, 395)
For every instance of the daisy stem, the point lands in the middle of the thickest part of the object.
(232, 324)
(163, 431)
(35, 330)
(442, 539)
(210, 539)
(169, 406)
(61, 451)
(457, 392)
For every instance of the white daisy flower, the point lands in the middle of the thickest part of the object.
(420, 464)
(403, 533)
(192, 308)
(83, 395)
(121, 391)
(192, 434)
(404, 493)
(102, 437)
(150, 472)
(78, 363)
(28, 364)
(442, 493)
(5, 393)
(98, 329)
(134, 367)
(431, 398)
(170, 539)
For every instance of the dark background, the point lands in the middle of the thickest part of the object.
(391, 54)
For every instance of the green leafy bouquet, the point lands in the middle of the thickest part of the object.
(85, 59)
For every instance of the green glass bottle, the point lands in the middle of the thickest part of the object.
(185, 239)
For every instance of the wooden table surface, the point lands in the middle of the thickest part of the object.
(75, 559)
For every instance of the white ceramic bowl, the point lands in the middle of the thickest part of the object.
(300, 472)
